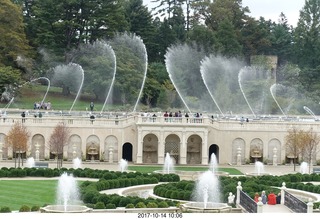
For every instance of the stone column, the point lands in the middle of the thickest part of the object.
(259, 205)
(283, 188)
(239, 188)
(205, 148)
(183, 149)
(310, 206)
(275, 156)
(161, 147)
(140, 147)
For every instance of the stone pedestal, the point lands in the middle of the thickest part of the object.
(37, 153)
(110, 155)
(238, 156)
(275, 156)
(74, 152)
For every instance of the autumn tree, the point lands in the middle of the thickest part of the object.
(310, 146)
(58, 140)
(17, 138)
(294, 143)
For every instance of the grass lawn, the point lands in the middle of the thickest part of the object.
(29, 94)
(15, 193)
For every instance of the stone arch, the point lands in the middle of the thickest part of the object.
(256, 150)
(150, 149)
(74, 149)
(127, 151)
(194, 152)
(272, 145)
(172, 146)
(238, 146)
(37, 150)
(3, 147)
(93, 148)
(110, 152)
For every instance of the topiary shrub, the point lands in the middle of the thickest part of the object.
(110, 206)
(5, 209)
(35, 208)
(152, 205)
(99, 205)
(24, 208)
(140, 205)
(163, 204)
(130, 205)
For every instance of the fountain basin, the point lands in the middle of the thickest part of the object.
(201, 207)
(65, 209)
(257, 174)
(193, 175)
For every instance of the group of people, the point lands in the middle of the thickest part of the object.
(42, 105)
(271, 199)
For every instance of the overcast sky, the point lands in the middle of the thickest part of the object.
(269, 9)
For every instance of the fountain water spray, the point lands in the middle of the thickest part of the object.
(304, 168)
(69, 75)
(67, 191)
(30, 162)
(242, 91)
(135, 51)
(183, 66)
(310, 112)
(207, 189)
(76, 163)
(259, 168)
(272, 88)
(168, 166)
(123, 165)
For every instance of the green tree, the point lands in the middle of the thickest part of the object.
(13, 41)
(141, 23)
(63, 24)
(306, 35)
(282, 40)
(9, 80)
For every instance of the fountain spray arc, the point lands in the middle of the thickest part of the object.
(82, 79)
(109, 48)
(203, 75)
(242, 91)
(274, 98)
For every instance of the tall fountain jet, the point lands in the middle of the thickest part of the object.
(130, 48)
(219, 75)
(72, 75)
(98, 60)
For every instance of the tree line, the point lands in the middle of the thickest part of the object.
(38, 34)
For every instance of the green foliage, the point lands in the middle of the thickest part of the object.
(35, 208)
(99, 205)
(140, 205)
(110, 206)
(130, 205)
(5, 209)
(24, 208)
(163, 204)
(152, 205)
